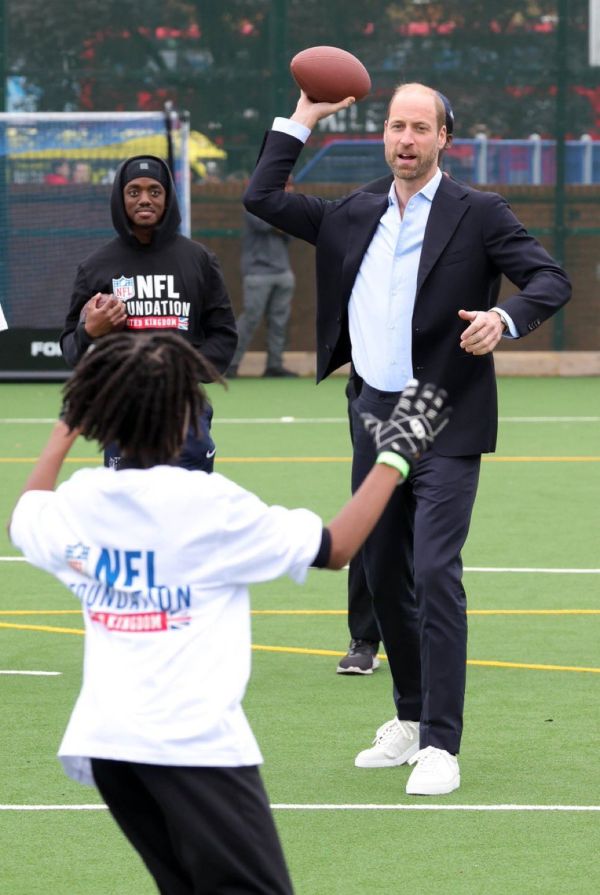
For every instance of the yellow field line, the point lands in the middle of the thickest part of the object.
(475, 662)
(308, 612)
(533, 667)
(67, 460)
(48, 629)
(486, 459)
(304, 651)
(40, 611)
(469, 612)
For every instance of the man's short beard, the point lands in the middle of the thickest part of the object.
(425, 164)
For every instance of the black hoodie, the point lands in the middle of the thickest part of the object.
(170, 283)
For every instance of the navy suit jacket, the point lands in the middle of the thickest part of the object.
(471, 237)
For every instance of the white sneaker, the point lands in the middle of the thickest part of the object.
(395, 742)
(436, 773)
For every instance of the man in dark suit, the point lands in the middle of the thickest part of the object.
(406, 286)
(361, 658)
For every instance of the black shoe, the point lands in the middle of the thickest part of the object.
(279, 373)
(232, 373)
(361, 658)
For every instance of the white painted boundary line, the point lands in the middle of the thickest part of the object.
(491, 569)
(53, 808)
(435, 807)
(323, 419)
(301, 807)
(549, 419)
(536, 571)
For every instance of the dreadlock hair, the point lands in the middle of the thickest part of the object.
(140, 391)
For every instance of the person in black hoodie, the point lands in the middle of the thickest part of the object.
(149, 278)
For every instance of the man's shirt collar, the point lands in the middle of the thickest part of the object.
(428, 191)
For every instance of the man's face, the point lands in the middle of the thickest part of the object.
(411, 137)
(145, 200)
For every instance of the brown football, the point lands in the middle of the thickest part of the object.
(96, 302)
(328, 74)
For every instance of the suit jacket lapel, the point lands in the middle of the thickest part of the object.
(447, 209)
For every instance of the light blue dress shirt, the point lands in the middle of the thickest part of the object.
(383, 297)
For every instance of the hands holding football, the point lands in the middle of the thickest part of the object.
(330, 79)
(103, 314)
(329, 75)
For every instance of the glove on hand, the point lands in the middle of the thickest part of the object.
(417, 418)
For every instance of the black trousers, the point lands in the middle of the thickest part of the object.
(197, 452)
(200, 831)
(413, 569)
(361, 617)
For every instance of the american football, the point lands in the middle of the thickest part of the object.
(97, 301)
(329, 74)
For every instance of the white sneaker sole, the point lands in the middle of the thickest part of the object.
(364, 760)
(354, 669)
(441, 789)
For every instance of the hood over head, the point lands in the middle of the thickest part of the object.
(449, 113)
(157, 169)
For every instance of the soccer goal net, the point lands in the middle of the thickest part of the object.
(56, 174)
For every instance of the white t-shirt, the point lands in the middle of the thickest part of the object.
(160, 560)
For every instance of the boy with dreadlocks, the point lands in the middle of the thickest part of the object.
(161, 558)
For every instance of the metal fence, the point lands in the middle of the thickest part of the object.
(510, 69)
(478, 161)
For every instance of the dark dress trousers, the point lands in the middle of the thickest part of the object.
(412, 559)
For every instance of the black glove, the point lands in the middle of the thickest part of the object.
(415, 421)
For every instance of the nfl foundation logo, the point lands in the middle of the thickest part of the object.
(123, 288)
(76, 555)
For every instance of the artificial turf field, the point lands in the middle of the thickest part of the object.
(527, 816)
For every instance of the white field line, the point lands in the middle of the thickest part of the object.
(536, 571)
(321, 419)
(485, 569)
(334, 807)
(53, 808)
(549, 419)
(434, 807)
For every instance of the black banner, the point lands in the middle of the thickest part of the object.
(31, 354)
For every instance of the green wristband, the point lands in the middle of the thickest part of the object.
(389, 458)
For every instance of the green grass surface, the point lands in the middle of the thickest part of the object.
(530, 732)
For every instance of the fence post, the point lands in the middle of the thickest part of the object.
(278, 57)
(481, 159)
(562, 80)
(587, 168)
(536, 158)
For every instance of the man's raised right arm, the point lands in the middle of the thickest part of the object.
(266, 195)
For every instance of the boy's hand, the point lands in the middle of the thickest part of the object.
(414, 423)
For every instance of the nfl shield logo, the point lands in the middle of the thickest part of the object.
(76, 555)
(123, 288)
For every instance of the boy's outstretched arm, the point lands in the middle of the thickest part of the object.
(45, 472)
(416, 420)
